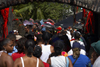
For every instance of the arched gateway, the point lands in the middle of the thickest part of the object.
(93, 5)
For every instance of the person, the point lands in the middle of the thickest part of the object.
(94, 56)
(47, 49)
(78, 59)
(37, 53)
(6, 46)
(96, 46)
(58, 60)
(63, 37)
(39, 39)
(13, 38)
(20, 48)
(16, 33)
(68, 34)
(28, 60)
(77, 37)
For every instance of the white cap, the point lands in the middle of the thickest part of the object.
(18, 37)
(15, 31)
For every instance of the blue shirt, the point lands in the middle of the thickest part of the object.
(14, 51)
(82, 61)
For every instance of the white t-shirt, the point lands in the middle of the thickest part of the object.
(45, 52)
(97, 62)
(58, 61)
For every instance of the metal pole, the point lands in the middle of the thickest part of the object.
(74, 15)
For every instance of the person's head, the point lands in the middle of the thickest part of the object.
(26, 29)
(29, 47)
(20, 44)
(39, 38)
(77, 35)
(29, 27)
(12, 37)
(76, 49)
(58, 47)
(15, 32)
(34, 26)
(7, 45)
(96, 47)
(46, 37)
(94, 56)
(29, 36)
(37, 52)
(63, 32)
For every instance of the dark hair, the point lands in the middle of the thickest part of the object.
(20, 44)
(11, 36)
(46, 37)
(37, 52)
(29, 36)
(58, 47)
(29, 45)
(77, 35)
(39, 37)
(4, 43)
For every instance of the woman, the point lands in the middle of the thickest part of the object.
(37, 53)
(47, 49)
(57, 60)
(6, 47)
(28, 60)
(20, 48)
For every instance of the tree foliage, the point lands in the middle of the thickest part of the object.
(42, 10)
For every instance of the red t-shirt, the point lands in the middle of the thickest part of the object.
(46, 64)
(17, 55)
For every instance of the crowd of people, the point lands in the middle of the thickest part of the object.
(50, 48)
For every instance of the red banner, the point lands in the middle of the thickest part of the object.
(84, 12)
(5, 13)
(90, 19)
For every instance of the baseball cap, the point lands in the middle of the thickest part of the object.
(76, 45)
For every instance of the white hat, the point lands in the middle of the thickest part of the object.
(15, 31)
(18, 37)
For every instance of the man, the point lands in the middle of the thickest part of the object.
(6, 47)
(77, 37)
(78, 59)
(96, 47)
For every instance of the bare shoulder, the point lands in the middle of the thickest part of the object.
(41, 63)
(8, 60)
(7, 57)
(52, 49)
(17, 62)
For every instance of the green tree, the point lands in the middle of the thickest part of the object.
(41, 10)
